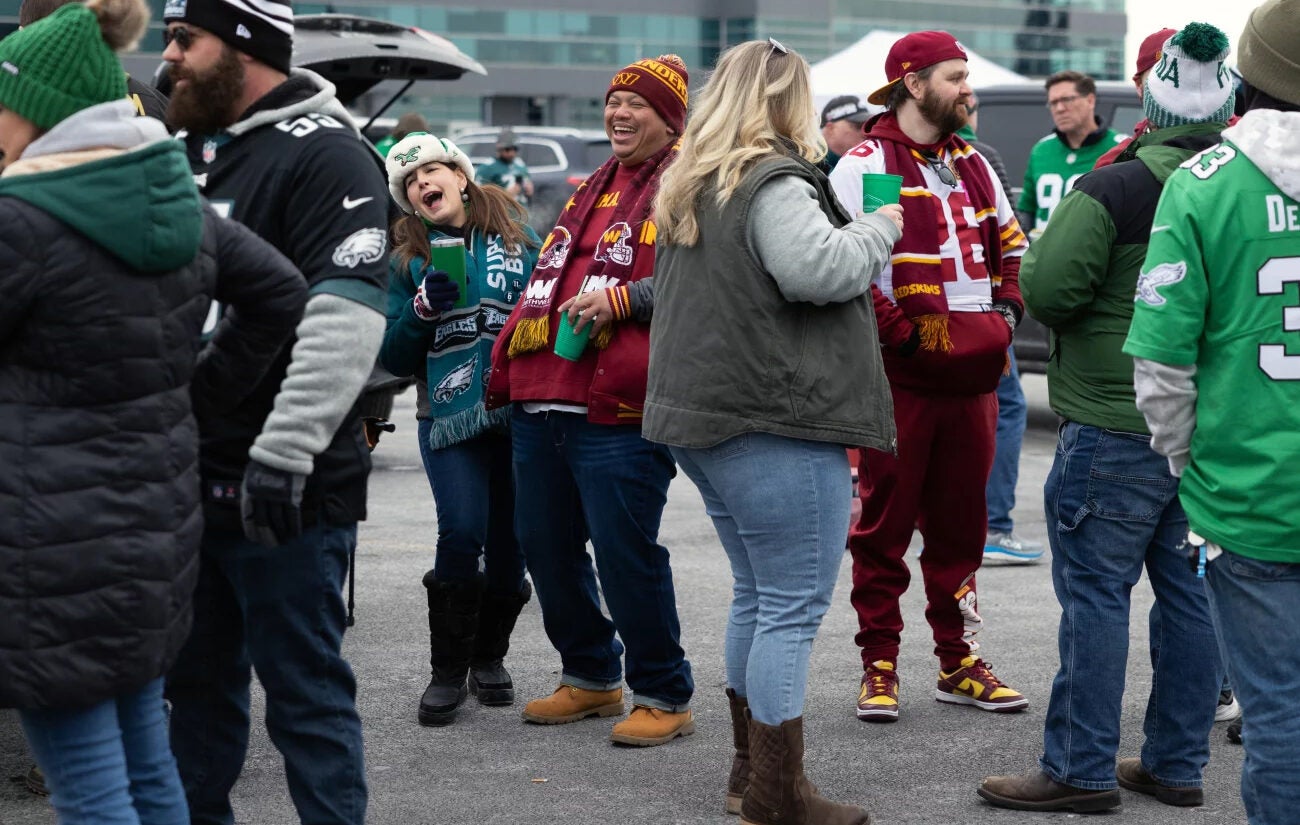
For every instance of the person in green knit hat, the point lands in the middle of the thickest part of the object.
(1112, 500)
(109, 261)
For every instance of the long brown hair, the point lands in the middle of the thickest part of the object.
(489, 209)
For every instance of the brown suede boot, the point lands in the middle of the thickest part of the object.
(779, 793)
(739, 779)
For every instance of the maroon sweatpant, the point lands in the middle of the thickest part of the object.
(936, 482)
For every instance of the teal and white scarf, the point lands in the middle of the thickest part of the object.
(460, 350)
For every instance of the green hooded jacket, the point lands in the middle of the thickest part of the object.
(1080, 276)
(141, 205)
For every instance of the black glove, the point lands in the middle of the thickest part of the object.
(1009, 311)
(909, 347)
(270, 504)
(436, 294)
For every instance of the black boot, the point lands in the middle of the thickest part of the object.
(453, 621)
(488, 678)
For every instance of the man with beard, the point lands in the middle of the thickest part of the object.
(284, 467)
(946, 306)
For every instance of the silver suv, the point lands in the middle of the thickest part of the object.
(558, 159)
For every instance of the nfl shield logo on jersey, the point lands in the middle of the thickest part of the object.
(209, 151)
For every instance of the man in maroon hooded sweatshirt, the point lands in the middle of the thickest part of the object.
(946, 305)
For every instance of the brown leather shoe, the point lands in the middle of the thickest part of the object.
(1132, 775)
(652, 726)
(569, 704)
(739, 779)
(1039, 792)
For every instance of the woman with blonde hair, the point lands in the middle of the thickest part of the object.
(763, 367)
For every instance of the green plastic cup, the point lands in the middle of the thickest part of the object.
(570, 344)
(879, 189)
(448, 254)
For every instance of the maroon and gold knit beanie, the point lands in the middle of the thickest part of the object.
(662, 82)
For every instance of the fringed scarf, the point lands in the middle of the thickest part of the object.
(532, 330)
(918, 271)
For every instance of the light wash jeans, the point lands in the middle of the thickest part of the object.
(1013, 414)
(109, 764)
(1255, 607)
(1112, 508)
(779, 507)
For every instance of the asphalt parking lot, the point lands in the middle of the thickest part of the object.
(490, 767)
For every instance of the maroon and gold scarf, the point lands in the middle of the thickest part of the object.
(918, 272)
(532, 330)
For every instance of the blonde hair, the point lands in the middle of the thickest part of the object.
(122, 22)
(757, 103)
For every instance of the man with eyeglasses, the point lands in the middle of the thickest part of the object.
(284, 467)
(946, 307)
(1057, 161)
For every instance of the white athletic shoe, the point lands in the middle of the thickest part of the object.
(1010, 548)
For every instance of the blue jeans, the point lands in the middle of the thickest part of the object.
(1013, 413)
(1255, 607)
(109, 764)
(1112, 507)
(475, 499)
(779, 507)
(575, 479)
(278, 610)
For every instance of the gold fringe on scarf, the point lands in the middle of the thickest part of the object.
(530, 334)
(934, 332)
(603, 337)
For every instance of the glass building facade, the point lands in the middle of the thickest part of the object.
(551, 66)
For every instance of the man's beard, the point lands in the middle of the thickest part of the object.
(206, 103)
(946, 117)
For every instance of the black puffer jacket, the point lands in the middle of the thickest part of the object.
(103, 307)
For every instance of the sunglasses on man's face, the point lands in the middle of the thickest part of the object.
(183, 37)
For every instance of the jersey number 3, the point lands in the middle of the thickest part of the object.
(1272, 279)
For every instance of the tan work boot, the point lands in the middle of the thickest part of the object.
(652, 726)
(569, 704)
(739, 779)
(779, 793)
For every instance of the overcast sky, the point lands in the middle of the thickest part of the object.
(1147, 16)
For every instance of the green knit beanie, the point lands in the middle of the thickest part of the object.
(58, 66)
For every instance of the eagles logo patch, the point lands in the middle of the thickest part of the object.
(408, 157)
(455, 382)
(363, 246)
(1160, 275)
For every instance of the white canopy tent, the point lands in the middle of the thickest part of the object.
(860, 69)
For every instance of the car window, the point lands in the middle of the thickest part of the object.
(596, 153)
(479, 151)
(538, 155)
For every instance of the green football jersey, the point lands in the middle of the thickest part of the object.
(1220, 288)
(1052, 170)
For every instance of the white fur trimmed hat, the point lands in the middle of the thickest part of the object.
(414, 151)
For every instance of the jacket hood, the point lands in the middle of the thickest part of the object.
(1163, 150)
(308, 93)
(136, 198)
(1268, 138)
